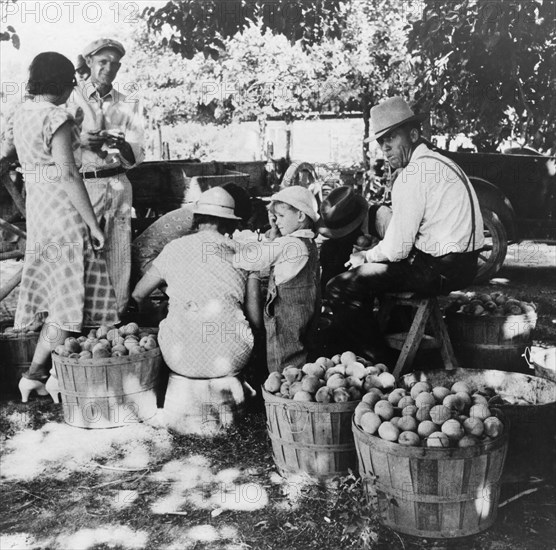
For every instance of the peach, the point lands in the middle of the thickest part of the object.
(285, 388)
(324, 395)
(72, 345)
(348, 357)
(101, 353)
(354, 393)
(453, 429)
(360, 410)
(336, 381)
(387, 380)
(384, 409)
(102, 331)
(410, 410)
(425, 399)
(85, 355)
(419, 387)
(314, 369)
(405, 401)
(453, 403)
(336, 359)
(294, 388)
(371, 398)
(388, 431)
(292, 374)
(440, 392)
(437, 439)
(356, 370)
(493, 426)
(273, 383)
(424, 413)
(439, 414)
(407, 424)
(325, 362)
(303, 396)
(311, 384)
(467, 441)
(480, 411)
(460, 386)
(426, 428)
(137, 350)
(473, 426)
(381, 367)
(409, 439)
(395, 396)
(340, 395)
(465, 398)
(354, 381)
(370, 422)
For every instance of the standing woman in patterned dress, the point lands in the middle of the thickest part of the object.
(64, 273)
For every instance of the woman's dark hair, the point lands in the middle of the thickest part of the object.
(223, 225)
(242, 201)
(50, 73)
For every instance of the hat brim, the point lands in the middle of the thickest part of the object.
(415, 118)
(338, 233)
(211, 212)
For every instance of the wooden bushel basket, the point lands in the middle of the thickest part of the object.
(16, 352)
(437, 493)
(310, 438)
(111, 392)
(531, 446)
(492, 341)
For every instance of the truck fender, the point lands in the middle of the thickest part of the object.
(491, 197)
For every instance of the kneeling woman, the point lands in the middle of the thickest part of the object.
(206, 334)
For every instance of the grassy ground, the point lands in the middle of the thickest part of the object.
(140, 487)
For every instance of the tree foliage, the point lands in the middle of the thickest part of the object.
(9, 34)
(203, 26)
(487, 68)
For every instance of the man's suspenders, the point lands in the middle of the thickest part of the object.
(461, 174)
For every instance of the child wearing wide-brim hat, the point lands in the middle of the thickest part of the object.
(292, 304)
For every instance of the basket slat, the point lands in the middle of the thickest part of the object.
(437, 493)
(310, 438)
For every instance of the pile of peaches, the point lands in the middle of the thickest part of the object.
(344, 377)
(105, 342)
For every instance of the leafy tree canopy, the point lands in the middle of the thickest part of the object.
(487, 68)
(195, 26)
(8, 34)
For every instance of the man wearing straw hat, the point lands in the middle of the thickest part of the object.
(432, 242)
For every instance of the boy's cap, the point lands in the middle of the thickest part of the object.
(300, 198)
(100, 44)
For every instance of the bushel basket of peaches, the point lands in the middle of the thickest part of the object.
(309, 411)
(490, 329)
(432, 457)
(108, 377)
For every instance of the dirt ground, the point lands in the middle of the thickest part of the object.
(140, 487)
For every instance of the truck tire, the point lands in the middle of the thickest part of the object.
(494, 251)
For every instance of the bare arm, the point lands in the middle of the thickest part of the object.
(254, 303)
(74, 186)
(149, 282)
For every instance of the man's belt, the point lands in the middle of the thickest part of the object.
(108, 173)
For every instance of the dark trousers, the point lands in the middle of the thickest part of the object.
(351, 294)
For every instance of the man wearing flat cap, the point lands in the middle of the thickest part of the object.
(111, 143)
(432, 241)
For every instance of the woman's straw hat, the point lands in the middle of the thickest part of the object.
(216, 202)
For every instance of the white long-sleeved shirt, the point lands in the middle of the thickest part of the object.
(431, 211)
(287, 254)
